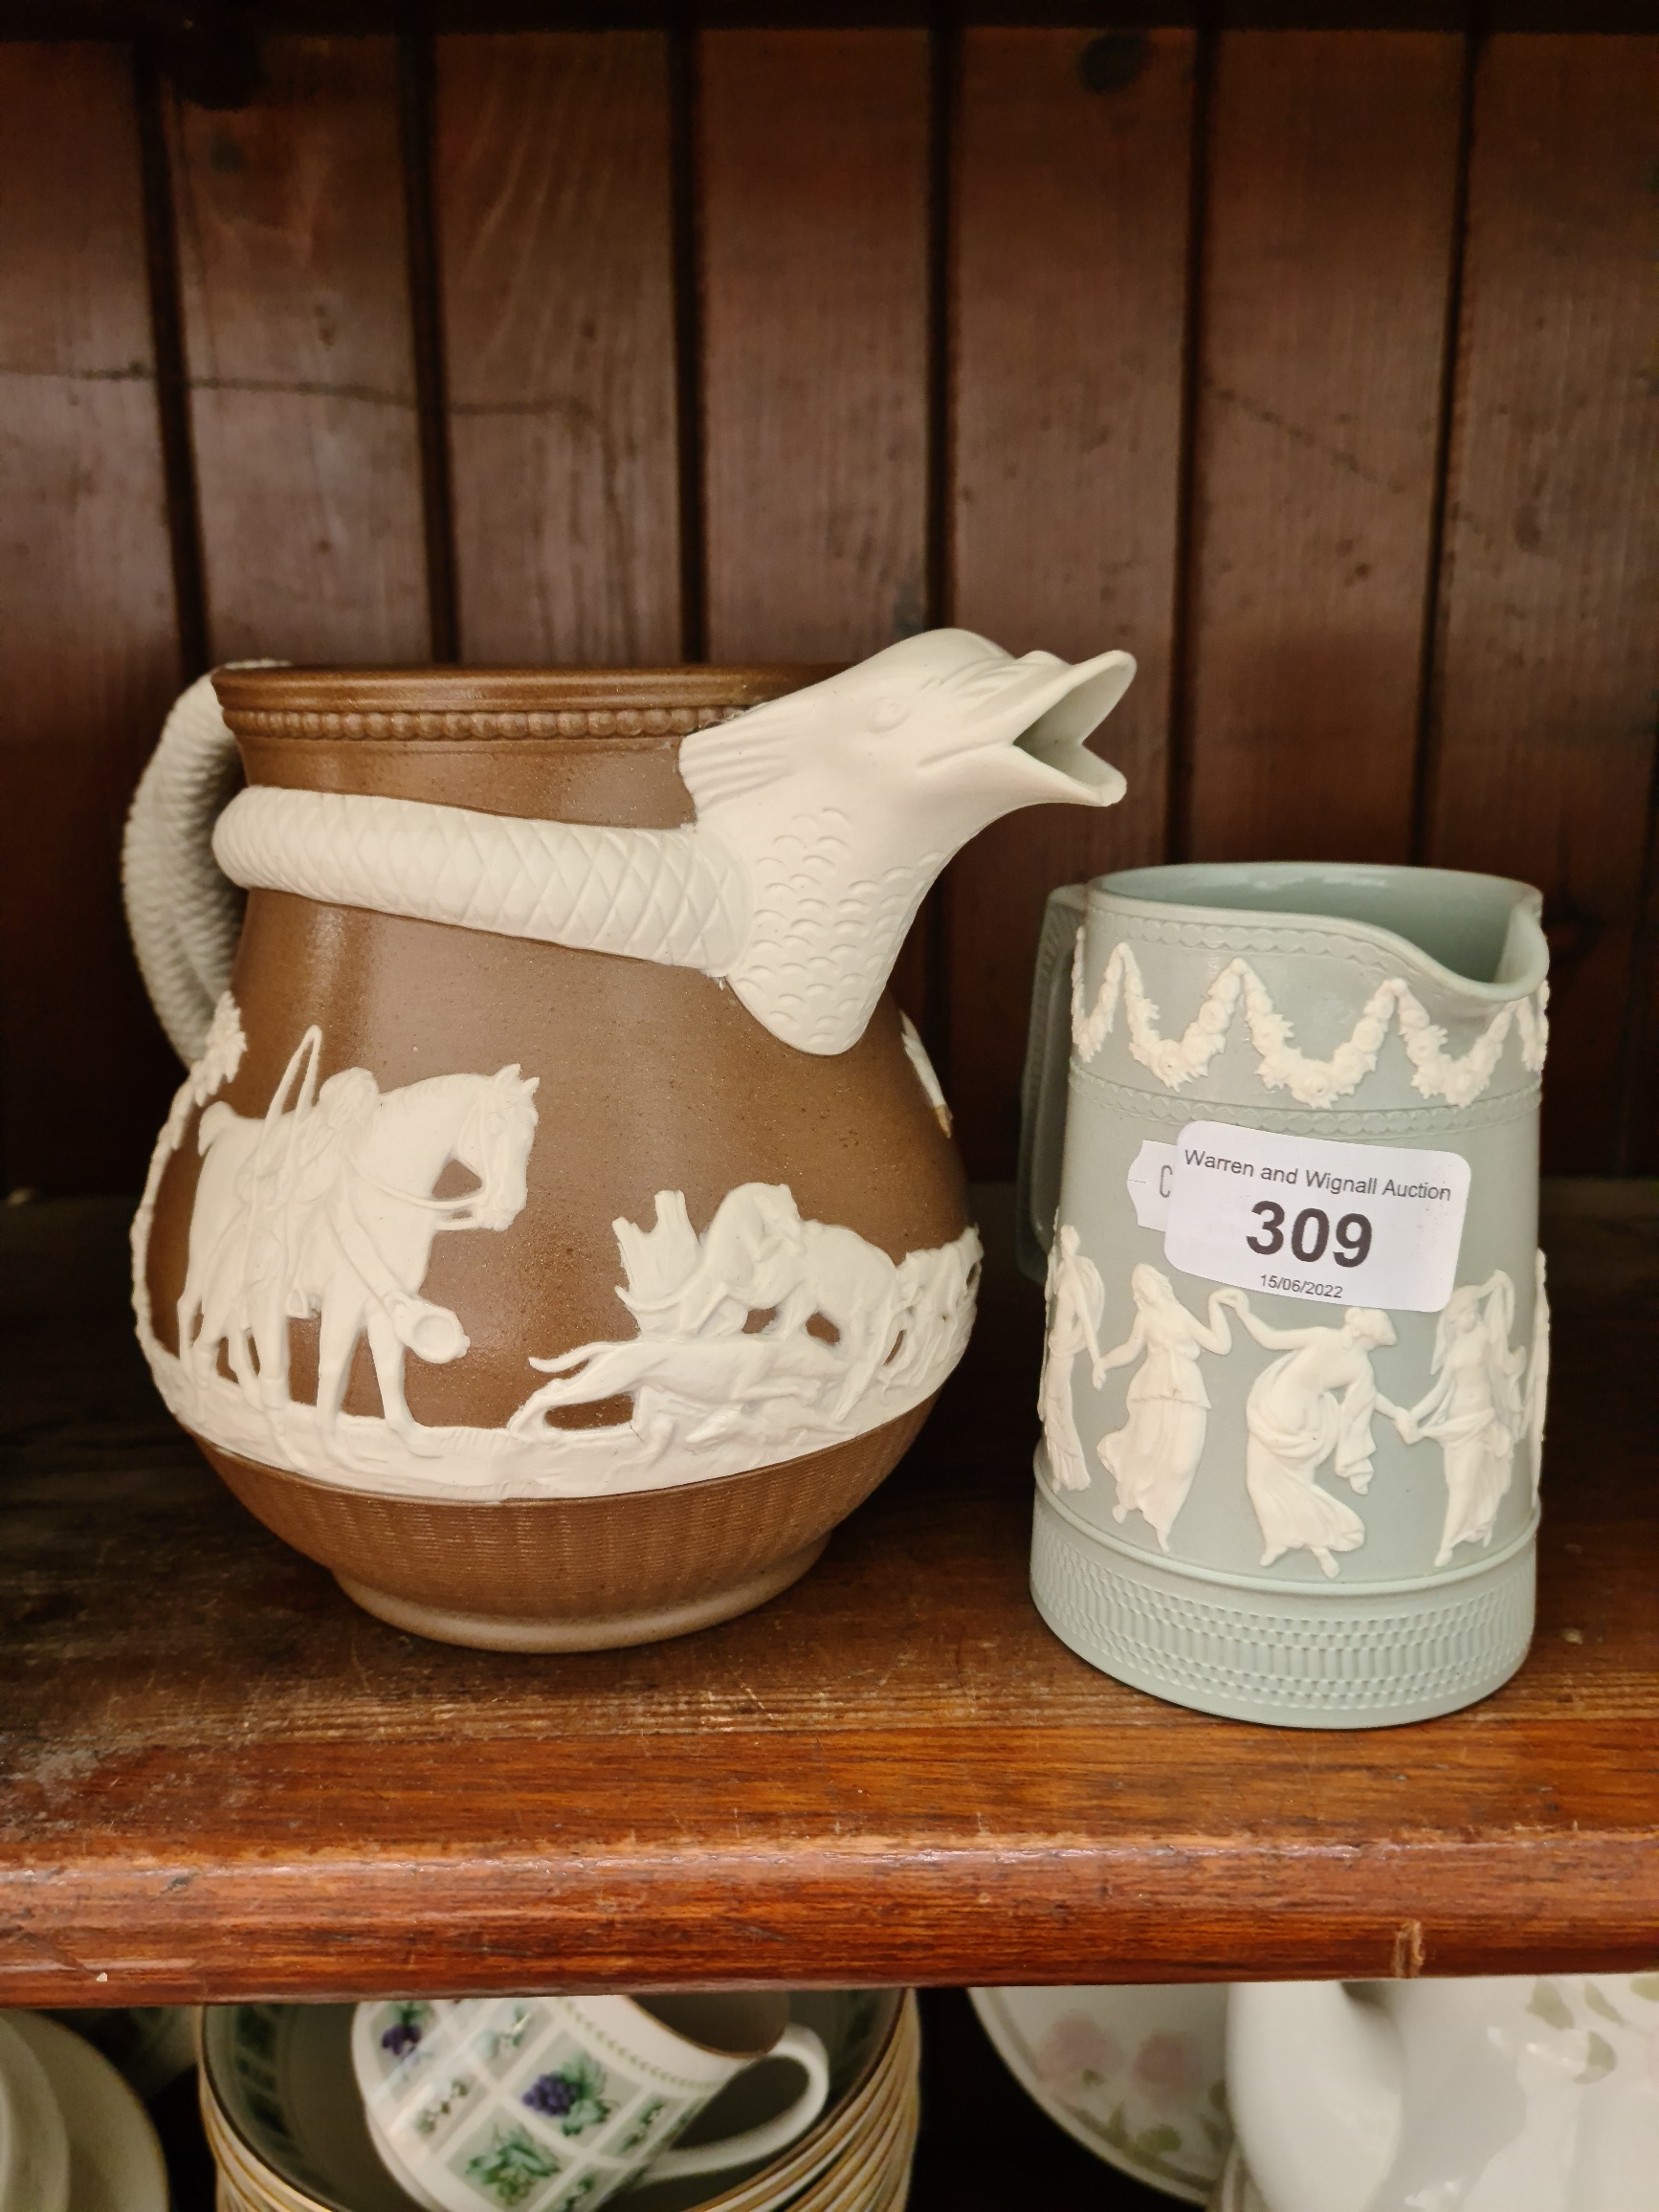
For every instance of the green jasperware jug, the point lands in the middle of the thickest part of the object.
(1279, 1172)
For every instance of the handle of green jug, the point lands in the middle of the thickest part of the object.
(1042, 1084)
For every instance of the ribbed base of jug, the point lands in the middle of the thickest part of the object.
(1339, 1658)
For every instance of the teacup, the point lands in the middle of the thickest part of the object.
(545, 2104)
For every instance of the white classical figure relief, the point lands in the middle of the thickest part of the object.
(1154, 1455)
(821, 818)
(699, 1373)
(1312, 1406)
(1077, 1302)
(1475, 1410)
(1175, 1061)
(1537, 1391)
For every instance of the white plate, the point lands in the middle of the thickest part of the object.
(114, 2159)
(150, 2044)
(1135, 2074)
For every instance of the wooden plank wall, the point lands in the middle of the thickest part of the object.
(1308, 364)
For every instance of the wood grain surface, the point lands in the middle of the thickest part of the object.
(812, 149)
(1069, 307)
(729, 268)
(1327, 259)
(1544, 696)
(88, 648)
(554, 212)
(293, 264)
(222, 1779)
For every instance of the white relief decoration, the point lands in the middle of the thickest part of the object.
(702, 1376)
(822, 819)
(1538, 1392)
(215, 1065)
(1312, 1405)
(1077, 1301)
(1175, 1061)
(1154, 1455)
(325, 1207)
(1475, 1410)
(916, 1053)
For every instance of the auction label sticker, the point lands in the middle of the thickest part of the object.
(1350, 1224)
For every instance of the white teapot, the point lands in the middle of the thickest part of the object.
(1526, 2093)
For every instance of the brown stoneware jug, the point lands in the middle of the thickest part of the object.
(559, 1232)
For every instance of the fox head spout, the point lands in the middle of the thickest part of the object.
(821, 818)
(840, 804)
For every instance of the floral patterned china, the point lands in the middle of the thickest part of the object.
(287, 2126)
(545, 2104)
(1135, 2074)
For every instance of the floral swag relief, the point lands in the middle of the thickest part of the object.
(1311, 1407)
(326, 1207)
(1435, 1072)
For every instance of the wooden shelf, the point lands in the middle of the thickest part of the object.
(224, 1780)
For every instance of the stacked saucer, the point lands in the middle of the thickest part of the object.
(288, 2130)
(72, 2135)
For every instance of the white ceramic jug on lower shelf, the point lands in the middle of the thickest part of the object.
(1525, 2093)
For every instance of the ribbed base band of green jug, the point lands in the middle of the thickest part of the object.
(1339, 1659)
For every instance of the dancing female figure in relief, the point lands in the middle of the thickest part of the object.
(1537, 1390)
(1312, 1405)
(1077, 1301)
(1154, 1456)
(1474, 1410)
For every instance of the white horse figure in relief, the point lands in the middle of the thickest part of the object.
(325, 1207)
